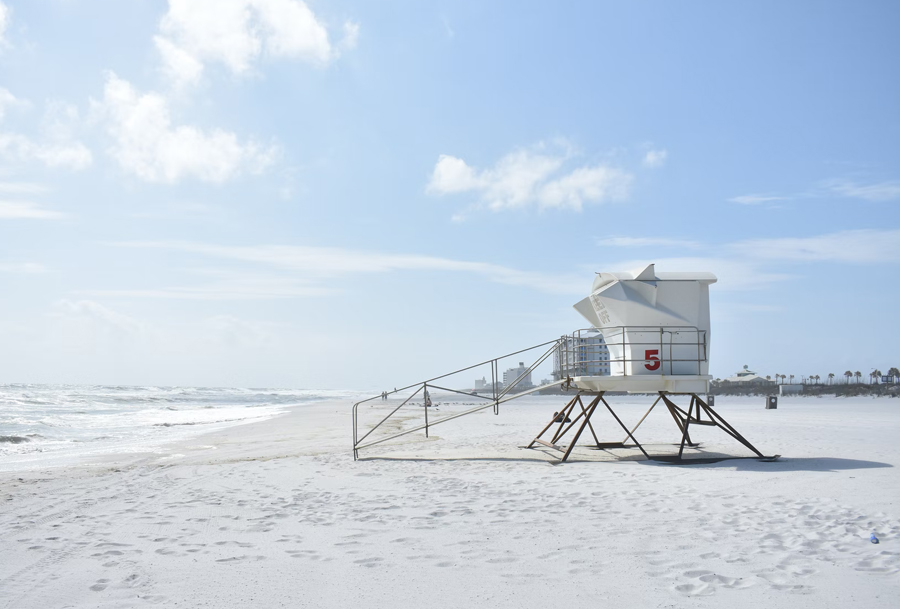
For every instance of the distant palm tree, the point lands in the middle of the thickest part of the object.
(876, 374)
(831, 378)
(768, 378)
(792, 379)
(858, 376)
(848, 374)
(893, 372)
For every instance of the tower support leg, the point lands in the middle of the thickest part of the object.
(582, 420)
(694, 415)
(726, 427)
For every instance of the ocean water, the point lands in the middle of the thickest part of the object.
(54, 424)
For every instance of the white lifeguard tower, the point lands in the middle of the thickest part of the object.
(656, 330)
(656, 340)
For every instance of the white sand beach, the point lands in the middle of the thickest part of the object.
(278, 514)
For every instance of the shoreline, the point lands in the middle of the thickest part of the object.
(85, 453)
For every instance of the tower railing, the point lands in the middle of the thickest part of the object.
(586, 352)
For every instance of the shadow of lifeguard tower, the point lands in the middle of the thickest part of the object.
(655, 332)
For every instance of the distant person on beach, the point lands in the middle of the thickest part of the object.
(561, 418)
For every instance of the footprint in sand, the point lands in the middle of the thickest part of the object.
(243, 558)
(109, 553)
(311, 554)
(100, 585)
(369, 562)
(725, 582)
(700, 589)
(796, 567)
(883, 562)
(240, 544)
(780, 582)
(706, 582)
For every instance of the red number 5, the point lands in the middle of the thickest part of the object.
(651, 355)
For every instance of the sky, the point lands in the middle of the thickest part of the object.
(353, 195)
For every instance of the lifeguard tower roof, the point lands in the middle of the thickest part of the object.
(648, 273)
(656, 326)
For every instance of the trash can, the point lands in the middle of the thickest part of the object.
(710, 400)
(772, 402)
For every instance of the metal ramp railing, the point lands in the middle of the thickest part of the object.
(496, 394)
(581, 353)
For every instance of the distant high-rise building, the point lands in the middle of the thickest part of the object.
(582, 354)
(512, 374)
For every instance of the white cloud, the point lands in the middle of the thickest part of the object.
(147, 145)
(25, 210)
(448, 29)
(527, 178)
(71, 155)
(178, 65)
(57, 148)
(4, 23)
(853, 246)
(238, 33)
(61, 121)
(757, 263)
(229, 285)
(757, 199)
(655, 158)
(351, 36)
(586, 184)
(303, 271)
(733, 273)
(881, 191)
(235, 332)
(8, 101)
(22, 267)
(613, 241)
(22, 188)
(280, 271)
(452, 175)
(98, 319)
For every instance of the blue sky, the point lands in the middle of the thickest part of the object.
(355, 195)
